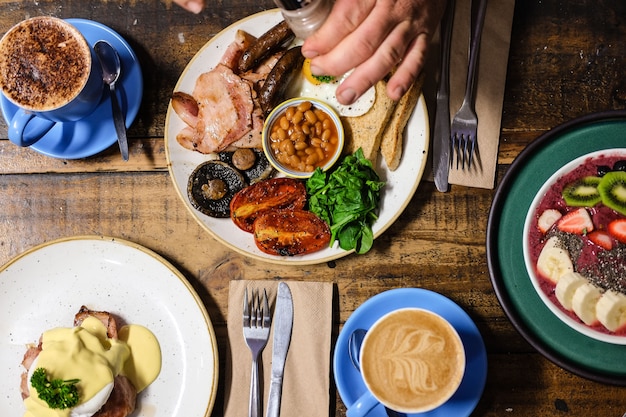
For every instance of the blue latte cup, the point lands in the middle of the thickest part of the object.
(412, 361)
(50, 73)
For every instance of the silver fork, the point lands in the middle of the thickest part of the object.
(465, 122)
(256, 331)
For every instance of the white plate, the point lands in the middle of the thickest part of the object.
(530, 267)
(401, 183)
(44, 287)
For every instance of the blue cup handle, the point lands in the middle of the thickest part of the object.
(363, 405)
(26, 128)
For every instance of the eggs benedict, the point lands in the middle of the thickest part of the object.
(91, 369)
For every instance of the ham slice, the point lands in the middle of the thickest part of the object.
(242, 41)
(122, 401)
(223, 112)
(225, 107)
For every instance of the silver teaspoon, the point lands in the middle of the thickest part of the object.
(354, 347)
(111, 68)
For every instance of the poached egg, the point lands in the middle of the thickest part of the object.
(86, 353)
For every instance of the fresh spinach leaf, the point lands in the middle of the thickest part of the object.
(347, 198)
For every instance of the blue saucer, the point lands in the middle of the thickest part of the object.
(95, 133)
(348, 379)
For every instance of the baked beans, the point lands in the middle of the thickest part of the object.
(303, 137)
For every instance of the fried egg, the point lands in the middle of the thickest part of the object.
(305, 84)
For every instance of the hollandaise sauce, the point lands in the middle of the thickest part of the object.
(86, 354)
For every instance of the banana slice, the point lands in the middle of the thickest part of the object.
(547, 219)
(611, 310)
(584, 303)
(567, 286)
(553, 261)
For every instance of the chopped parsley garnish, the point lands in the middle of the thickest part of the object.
(57, 393)
(324, 78)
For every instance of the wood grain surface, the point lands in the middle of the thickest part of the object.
(567, 59)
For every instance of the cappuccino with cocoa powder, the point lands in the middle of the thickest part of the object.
(44, 63)
(412, 360)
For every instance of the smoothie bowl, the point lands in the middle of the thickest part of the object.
(575, 244)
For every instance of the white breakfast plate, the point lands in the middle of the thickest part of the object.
(530, 265)
(45, 286)
(398, 191)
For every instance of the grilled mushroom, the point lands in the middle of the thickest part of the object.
(240, 159)
(212, 185)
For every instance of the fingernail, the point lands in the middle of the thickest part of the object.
(347, 96)
(316, 70)
(194, 7)
(307, 53)
(398, 93)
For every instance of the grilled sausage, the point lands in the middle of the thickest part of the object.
(273, 89)
(266, 44)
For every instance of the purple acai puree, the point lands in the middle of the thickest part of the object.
(605, 268)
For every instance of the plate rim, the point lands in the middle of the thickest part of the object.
(493, 262)
(293, 261)
(149, 252)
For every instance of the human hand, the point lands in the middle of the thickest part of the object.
(194, 6)
(373, 36)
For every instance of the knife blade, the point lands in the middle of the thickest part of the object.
(441, 139)
(283, 324)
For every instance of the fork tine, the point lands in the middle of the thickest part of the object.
(454, 145)
(246, 309)
(458, 149)
(460, 156)
(254, 319)
(266, 311)
(465, 143)
(470, 153)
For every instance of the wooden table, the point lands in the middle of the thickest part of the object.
(567, 59)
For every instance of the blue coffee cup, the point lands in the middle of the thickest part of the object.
(61, 82)
(412, 360)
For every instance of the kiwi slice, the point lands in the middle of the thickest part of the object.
(612, 189)
(583, 192)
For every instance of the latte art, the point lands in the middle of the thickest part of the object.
(412, 360)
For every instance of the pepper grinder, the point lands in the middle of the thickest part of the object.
(304, 17)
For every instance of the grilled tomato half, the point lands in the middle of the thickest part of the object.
(271, 194)
(289, 232)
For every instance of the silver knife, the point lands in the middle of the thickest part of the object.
(283, 323)
(441, 139)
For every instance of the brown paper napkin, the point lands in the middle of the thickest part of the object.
(494, 54)
(306, 383)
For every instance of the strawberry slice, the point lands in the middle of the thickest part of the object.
(617, 229)
(602, 239)
(577, 222)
